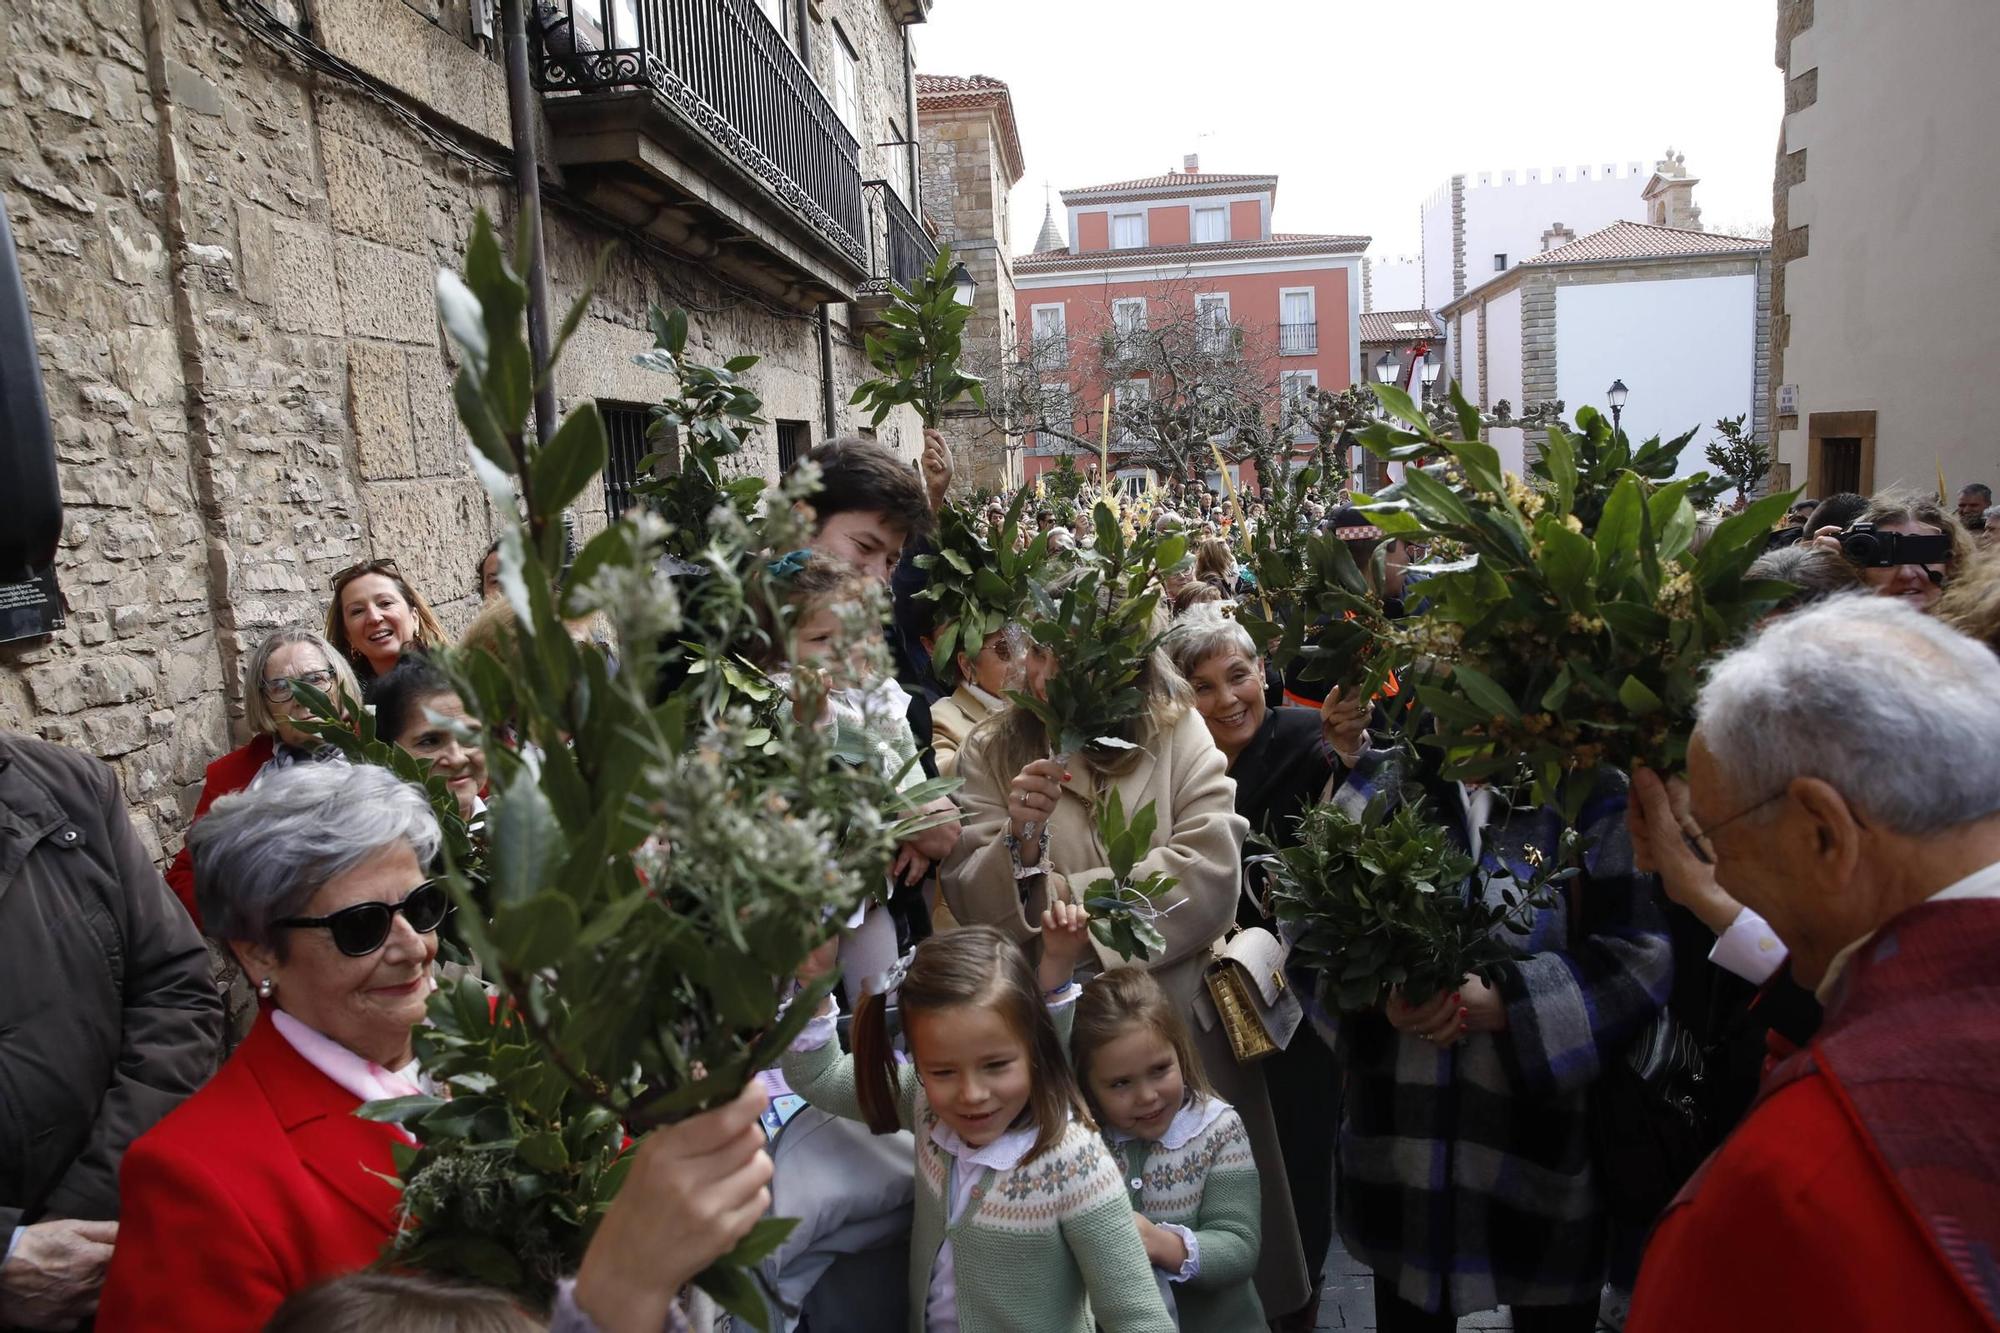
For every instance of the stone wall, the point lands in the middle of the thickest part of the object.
(967, 192)
(230, 259)
(1787, 242)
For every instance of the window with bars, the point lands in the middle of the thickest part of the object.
(794, 443)
(626, 425)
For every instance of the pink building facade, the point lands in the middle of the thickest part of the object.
(1170, 246)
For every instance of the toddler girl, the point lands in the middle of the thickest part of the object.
(1183, 1152)
(1021, 1220)
(832, 611)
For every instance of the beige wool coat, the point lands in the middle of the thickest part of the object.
(952, 720)
(1199, 841)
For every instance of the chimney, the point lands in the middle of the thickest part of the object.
(1191, 163)
(1669, 195)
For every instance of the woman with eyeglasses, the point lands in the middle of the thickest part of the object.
(265, 1181)
(271, 709)
(375, 616)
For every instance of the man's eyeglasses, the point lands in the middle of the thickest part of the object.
(1702, 840)
(363, 928)
(355, 571)
(278, 689)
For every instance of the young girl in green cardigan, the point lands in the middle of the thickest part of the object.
(1022, 1223)
(1183, 1151)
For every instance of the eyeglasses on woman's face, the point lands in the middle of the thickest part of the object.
(278, 689)
(363, 928)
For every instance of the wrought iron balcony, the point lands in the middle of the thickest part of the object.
(694, 120)
(1298, 339)
(899, 249)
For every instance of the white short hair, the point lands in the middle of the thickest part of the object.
(1200, 633)
(1892, 708)
(262, 853)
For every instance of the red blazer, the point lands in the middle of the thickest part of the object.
(1793, 1224)
(258, 1185)
(226, 776)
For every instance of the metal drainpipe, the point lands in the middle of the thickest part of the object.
(910, 150)
(829, 417)
(528, 193)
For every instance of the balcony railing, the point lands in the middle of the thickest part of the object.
(899, 249)
(1298, 339)
(727, 74)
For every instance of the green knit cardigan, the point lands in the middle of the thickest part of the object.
(1209, 1186)
(1033, 1245)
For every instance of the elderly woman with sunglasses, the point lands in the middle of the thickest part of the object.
(265, 1181)
(271, 709)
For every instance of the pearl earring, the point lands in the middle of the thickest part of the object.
(265, 988)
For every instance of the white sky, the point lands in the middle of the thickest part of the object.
(1364, 107)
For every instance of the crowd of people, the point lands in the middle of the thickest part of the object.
(998, 1123)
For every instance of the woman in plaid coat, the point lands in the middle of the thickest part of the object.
(1464, 1162)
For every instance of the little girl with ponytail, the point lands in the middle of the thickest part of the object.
(1021, 1217)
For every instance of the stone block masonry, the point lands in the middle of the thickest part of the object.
(230, 262)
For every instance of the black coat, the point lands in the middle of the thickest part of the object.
(107, 1016)
(1279, 776)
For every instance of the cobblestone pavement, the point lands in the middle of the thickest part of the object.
(1348, 1301)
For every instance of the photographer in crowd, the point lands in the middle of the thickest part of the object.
(1905, 547)
(1864, 1187)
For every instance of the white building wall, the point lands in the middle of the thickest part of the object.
(1891, 309)
(1686, 349)
(1395, 283)
(1507, 212)
(1503, 373)
(1437, 291)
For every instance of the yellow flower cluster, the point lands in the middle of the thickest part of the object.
(1675, 600)
(1524, 497)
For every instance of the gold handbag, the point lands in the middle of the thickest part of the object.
(1246, 981)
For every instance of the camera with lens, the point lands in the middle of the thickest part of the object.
(1864, 545)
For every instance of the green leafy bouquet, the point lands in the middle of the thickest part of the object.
(1574, 632)
(1381, 900)
(1123, 912)
(977, 586)
(1100, 628)
(657, 867)
(918, 354)
(1314, 603)
(709, 418)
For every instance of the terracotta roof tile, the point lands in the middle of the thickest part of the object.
(1178, 182)
(1638, 240)
(1397, 326)
(1280, 244)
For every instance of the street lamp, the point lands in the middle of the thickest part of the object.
(1617, 394)
(1385, 370)
(963, 287)
(1432, 370)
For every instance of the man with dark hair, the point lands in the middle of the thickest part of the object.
(874, 512)
(1837, 512)
(1972, 504)
(869, 505)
